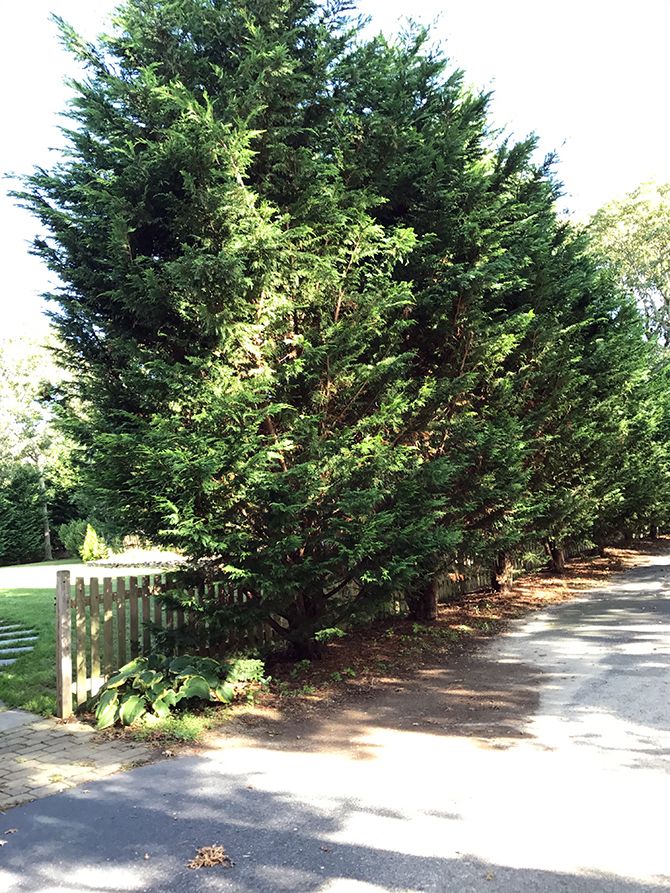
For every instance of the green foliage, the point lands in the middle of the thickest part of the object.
(327, 635)
(180, 727)
(324, 332)
(157, 684)
(94, 547)
(72, 535)
(28, 381)
(21, 527)
(245, 670)
(631, 237)
(301, 666)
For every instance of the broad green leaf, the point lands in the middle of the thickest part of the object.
(107, 709)
(147, 679)
(132, 707)
(179, 664)
(225, 692)
(161, 708)
(130, 669)
(194, 687)
(162, 705)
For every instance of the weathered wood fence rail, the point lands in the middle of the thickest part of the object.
(469, 579)
(102, 625)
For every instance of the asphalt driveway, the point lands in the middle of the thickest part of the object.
(562, 784)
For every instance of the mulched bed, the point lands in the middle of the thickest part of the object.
(393, 649)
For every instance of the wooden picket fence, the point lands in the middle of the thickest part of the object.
(468, 578)
(102, 625)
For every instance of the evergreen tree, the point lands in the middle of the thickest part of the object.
(240, 367)
(21, 536)
(324, 329)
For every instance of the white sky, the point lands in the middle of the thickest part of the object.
(590, 77)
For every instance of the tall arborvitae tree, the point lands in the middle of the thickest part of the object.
(324, 332)
(486, 230)
(231, 315)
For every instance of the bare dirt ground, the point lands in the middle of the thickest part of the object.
(402, 674)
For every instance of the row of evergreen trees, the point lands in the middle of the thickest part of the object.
(324, 326)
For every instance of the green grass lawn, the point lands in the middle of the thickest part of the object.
(27, 594)
(31, 681)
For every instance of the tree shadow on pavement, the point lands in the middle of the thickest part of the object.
(137, 833)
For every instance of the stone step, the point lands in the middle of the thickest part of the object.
(8, 626)
(7, 662)
(19, 637)
(18, 632)
(4, 652)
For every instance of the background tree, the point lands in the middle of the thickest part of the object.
(35, 456)
(632, 236)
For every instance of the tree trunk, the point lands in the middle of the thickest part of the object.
(304, 611)
(48, 554)
(653, 532)
(306, 649)
(502, 573)
(556, 556)
(423, 602)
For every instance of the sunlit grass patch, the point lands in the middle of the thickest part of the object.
(30, 682)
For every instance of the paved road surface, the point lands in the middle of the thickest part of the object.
(567, 788)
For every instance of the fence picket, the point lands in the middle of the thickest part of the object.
(63, 645)
(134, 619)
(96, 681)
(146, 615)
(121, 621)
(80, 625)
(107, 603)
(158, 604)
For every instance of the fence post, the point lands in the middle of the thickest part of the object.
(63, 646)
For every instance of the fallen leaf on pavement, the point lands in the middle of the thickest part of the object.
(209, 856)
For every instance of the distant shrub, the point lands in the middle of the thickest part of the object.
(72, 536)
(21, 522)
(94, 546)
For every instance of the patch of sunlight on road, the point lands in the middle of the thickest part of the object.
(585, 793)
(435, 797)
(524, 805)
(348, 885)
(87, 879)
(654, 586)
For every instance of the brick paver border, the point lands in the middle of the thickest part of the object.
(41, 756)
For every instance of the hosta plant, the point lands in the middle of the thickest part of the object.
(157, 684)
